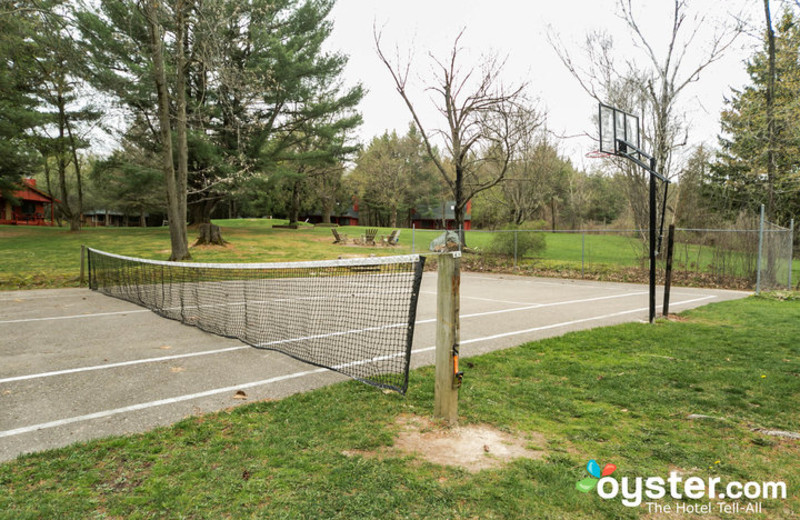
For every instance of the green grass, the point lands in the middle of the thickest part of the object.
(50, 257)
(619, 394)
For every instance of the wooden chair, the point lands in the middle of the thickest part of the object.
(369, 236)
(338, 238)
(392, 238)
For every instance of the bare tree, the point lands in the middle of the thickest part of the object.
(482, 121)
(653, 86)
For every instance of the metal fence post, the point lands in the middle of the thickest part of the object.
(515, 248)
(583, 249)
(791, 251)
(760, 245)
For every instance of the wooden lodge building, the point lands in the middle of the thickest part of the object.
(33, 206)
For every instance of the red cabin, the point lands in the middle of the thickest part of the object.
(34, 207)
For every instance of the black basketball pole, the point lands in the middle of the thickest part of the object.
(634, 154)
(653, 211)
(628, 147)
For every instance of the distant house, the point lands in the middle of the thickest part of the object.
(347, 218)
(430, 216)
(34, 207)
(109, 218)
(422, 217)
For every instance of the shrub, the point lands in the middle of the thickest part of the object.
(530, 240)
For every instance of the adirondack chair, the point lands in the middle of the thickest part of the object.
(338, 238)
(392, 238)
(369, 237)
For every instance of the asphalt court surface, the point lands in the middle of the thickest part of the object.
(78, 365)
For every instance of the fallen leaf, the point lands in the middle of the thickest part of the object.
(175, 370)
(486, 448)
(165, 347)
(240, 395)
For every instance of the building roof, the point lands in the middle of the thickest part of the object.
(103, 212)
(31, 192)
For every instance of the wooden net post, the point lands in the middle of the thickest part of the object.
(448, 376)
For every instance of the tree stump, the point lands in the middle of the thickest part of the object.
(209, 234)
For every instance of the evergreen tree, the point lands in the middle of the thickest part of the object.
(753, 136)
(393, 176)
(255, 85)
(18, 80)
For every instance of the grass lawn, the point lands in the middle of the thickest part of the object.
(50, 257)
(619, 395)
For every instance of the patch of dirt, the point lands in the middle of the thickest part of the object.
(212, 247)
(472, 447)
(678, 318)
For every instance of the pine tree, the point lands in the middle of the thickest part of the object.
(18, 79)
(741, 177)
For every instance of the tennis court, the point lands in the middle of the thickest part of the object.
(79, 365)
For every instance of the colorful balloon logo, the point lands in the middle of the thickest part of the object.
(593, 468)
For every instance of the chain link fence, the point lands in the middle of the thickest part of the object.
(756, 256)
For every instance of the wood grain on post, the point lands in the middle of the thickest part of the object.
(83, 266)
(447, 337)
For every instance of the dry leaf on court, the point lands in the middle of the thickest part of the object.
(175, 370)
(240, 395)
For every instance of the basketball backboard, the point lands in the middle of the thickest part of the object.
(615, 126)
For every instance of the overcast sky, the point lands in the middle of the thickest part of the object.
(518, 29)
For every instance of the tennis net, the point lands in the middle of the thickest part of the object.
(354, 316)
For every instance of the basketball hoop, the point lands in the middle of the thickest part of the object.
(598, 154)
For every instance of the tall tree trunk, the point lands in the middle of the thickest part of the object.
(177, 218)
(181, 122)
(770, 106)
(74, 148)
(294, 211)
(458, 207)
(771, 166)
(62, 163)
(327, 209)
(50, 190)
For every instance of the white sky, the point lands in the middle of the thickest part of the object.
(518, 29)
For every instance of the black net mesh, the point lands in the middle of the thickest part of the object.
(354, 316)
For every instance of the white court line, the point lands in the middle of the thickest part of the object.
(186, 308)
(485, 299)
(227, 389)
(293, 340)
(120, 364)
(74, 316)
(543, 305)
(569, 281)
(48, 297)
(573, 322)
